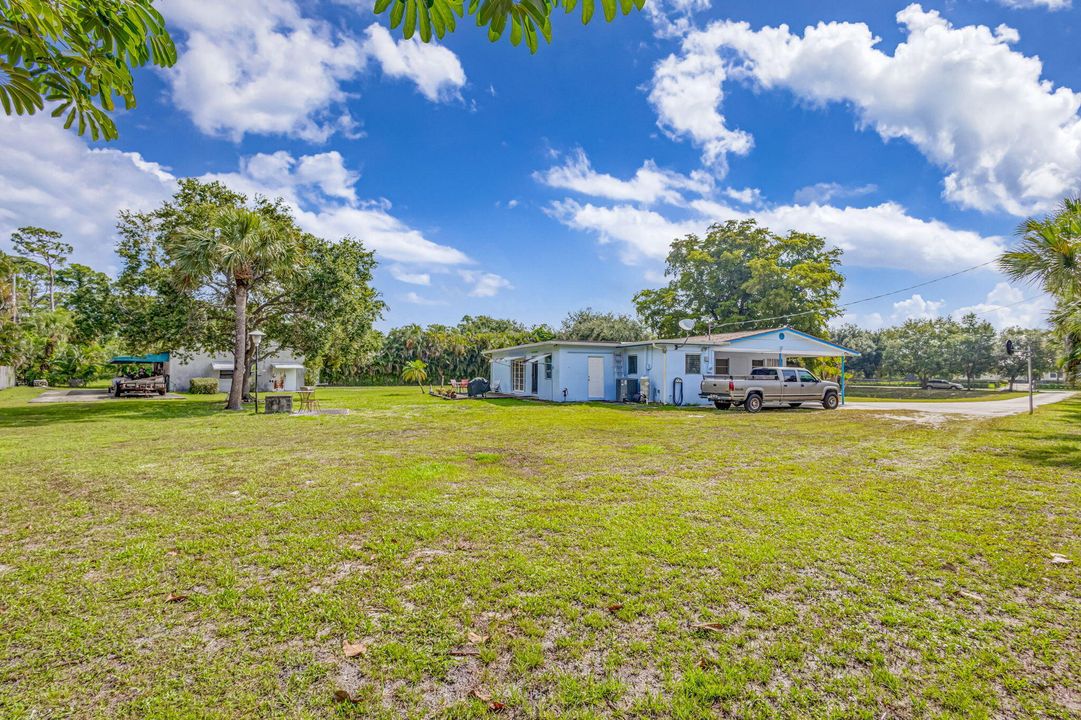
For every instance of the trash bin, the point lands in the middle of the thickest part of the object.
(278, 404)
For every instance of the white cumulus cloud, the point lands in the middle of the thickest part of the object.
(883, 236)
(917, 308)
(402, 274)
(649, 185)
(329, 214)
(1039, 4)
(485, 284)
(264, 67)
(50, 177)
(1009, 306)
(260, 66)
(1005, 137)
(436, 71)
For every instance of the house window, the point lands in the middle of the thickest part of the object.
(225, 374)
(692, 364)
(720, 365)
(517, 375)
(632, 364)
(547, 367)
(757, 363)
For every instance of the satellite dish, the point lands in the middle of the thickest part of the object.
(687, 324)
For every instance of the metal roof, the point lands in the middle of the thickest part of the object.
(710, 339)
(133, 359)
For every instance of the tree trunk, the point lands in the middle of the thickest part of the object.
(240, 347)
(52, 297)
(251, 357)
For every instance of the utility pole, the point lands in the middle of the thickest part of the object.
(1028, 354)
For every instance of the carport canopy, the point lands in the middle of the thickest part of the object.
(137, 359)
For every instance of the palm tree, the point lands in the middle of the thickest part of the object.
(1049, 254)
(415, 371)
(245, 247)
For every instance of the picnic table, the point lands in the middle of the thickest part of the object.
(307, 400)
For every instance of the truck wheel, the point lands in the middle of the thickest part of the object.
(830, 402)
(794, 405)
(753, 403)
(721, 405)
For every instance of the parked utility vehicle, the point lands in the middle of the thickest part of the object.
(773, 385)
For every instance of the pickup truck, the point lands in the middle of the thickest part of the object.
(775, 385)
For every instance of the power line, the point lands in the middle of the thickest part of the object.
(866, 299)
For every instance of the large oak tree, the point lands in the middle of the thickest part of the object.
(741, 276)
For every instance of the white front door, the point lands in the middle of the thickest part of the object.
(596, 377)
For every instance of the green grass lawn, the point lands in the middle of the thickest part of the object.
(581, 561)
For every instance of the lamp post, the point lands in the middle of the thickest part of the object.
(256, 338)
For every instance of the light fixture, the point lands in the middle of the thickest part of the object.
(256, 338)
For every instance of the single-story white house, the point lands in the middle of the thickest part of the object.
(664, 371)
(282, 372)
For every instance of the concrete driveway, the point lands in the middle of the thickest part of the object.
(985, 408)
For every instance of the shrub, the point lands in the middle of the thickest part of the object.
(203, 386)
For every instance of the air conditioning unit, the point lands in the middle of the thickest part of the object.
(627, 389)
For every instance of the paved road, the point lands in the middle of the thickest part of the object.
(985, 408)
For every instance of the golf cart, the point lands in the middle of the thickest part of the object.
(140, 375)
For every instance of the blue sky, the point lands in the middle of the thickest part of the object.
(915, 137)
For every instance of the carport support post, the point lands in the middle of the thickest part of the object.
(842, 379)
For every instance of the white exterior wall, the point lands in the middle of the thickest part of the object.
(661, 363)
(7, 377)
(198, 365)
(570, 371)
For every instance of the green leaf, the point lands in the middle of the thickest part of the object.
(410, 19)
(515, 30)
(396, 14)
(425, 23)
(381, 6)
(609, 9)
(587, 11)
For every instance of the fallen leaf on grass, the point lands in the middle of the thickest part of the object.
(344, 696)
(175, 598)
(463, 652)
(1059, 559)
(714, 626)
(481, 694)
(477, 639)
(496, 706)
(352, 650)
(615, 607)
(970, 595)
